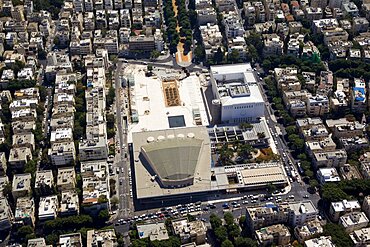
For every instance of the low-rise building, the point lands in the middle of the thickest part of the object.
(351, 144)
(95, 186)
(273, 45)
(193, 231)
(70, 240)
(66, 179)
(338, 209)
(360, 25)
(354, 221)
(312, 129)
(3, 165)
(325, 175)
(335, 158)
(63, 153)
(323, 241)
(18, 157)
(141, 42)
(25, 211)
(37, 242)
(366, 206)
(343, 128)
(326, 145)
(317, 105)
(275, 234)
(3, 182)
(6, 215)
(361, 237)
(21, 185)
(44, 182)
(154, 231)
(358, 99)
(48, 208)
(96, 238)
(286, 213)
(310, 229)
(69, 203)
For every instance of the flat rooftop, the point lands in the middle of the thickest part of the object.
(155, 100)
(146, 187)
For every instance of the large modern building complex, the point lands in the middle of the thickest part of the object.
(236, 91)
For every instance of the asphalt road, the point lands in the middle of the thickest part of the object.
(125, 207)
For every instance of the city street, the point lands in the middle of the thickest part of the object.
(125, 205)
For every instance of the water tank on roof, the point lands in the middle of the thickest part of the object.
(150, 139)
(170, 136)
(180, 136)
(161, 138)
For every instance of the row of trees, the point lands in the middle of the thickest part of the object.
(110, 97)
(80, 114)
(345, 189)
(172, 36)
(184, 23)
(288, 60)
(350, 68)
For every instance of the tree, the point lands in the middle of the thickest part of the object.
(225, 154)
(199, 52)
(245, 126)
(215, 221)
(154, 54)
(42, 54)
(290, 130)
(245, 242)
(234, 56)
(242, 220)
(234, 231)
(338, 235)
(227, 243)
(270, 188)
(229, 218)
(190, 217)
(149, 67)
(110, 97)
(30, 167)
(332, 193)
(245, 150)
(302, 156)
(218, 57)
(261, 135)
(221, 233)
(103, 216)
(114, 201)
(56, 41)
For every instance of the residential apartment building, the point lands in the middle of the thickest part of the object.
(353, 221)
(341, 208)
(25, 211)
(273, 235)
(287, 213)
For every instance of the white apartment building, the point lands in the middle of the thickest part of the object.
(354, 221)
(48, 208)
(340, 208)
